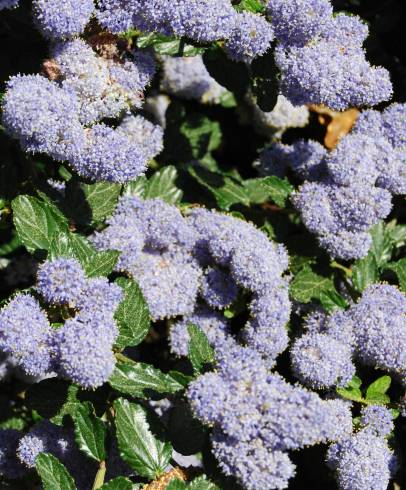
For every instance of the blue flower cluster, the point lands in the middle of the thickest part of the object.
(364, 460)
(62, 116)
(258, 417)
(247, 35)
(372, 330)
(80, 349)
(321, 58)
(8, 4)
(349, 189)
(204, 259)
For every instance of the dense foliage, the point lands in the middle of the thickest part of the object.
(202, 269)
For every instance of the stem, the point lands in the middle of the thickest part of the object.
(336, 265)
(123, 358)
(101, 473)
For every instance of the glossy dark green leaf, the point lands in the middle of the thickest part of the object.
(279, 189)
(201, 483)
(119, 483)
(53, 473)
(132, 315)
(36, 222)
(308, 285)
(226, 190)
(139, 380)
(332, 300)
(139, 447)
(90, 433)
(365, 272)
(162, 185)
(200, 351)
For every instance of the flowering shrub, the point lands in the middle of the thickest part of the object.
(203, 280)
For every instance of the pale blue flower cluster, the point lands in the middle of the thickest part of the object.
(372, 331)
(25, 333)
(363, 460)
(80, 349)
(205, 259)
(247, 35)
(349, 189)
(61, 19)
(258, 417)
(61, 117)
(321, 58)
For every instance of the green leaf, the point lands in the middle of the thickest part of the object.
(132, 315)
(101, 263)
(256, 192)
(36, 222)
(162, 185)
(365, 272)
(278, 189)
(255, 6)
(140, 379)
(200, 351)
(90, 203)
(331, 300)
(382, 244)
(226, 190)
(378, 388)
(176, 484)
(231, 75)
(397, 234)
(351, 393)
(90, 433)
(146, 454)
(168, 45)
(308, 285)
(53, 473)
(119, 483)
(136, 187)
(201, 483)
(399, 268)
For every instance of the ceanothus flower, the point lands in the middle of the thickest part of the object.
(25, 333)
(255, 466)
(61, 281)
(213, 324)
(10, 466)
(99, 296)
(217, 289)
(361, 461)
(147, 135)
(251, 37)
(377, 419)
(110, 155)
(331, 74)
(83, 349)
(296, 22)
(320, 361)
(188, 78)
(38, 113)
(169, 282)
(60, 19)
(380, 328)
